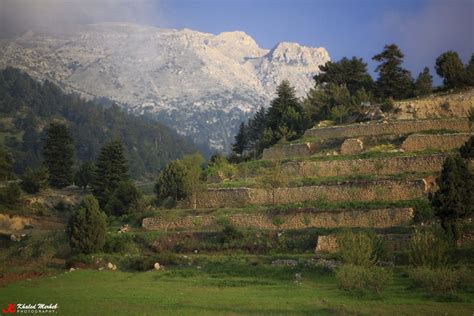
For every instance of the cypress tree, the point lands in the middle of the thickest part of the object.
(454, 199)
(394, 81)
(111, 168)
(58, 153)
(170, 182)
(87, 227)
(467, 150)
(470, 71)
(424, 83)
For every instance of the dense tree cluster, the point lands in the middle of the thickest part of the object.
(33, 105)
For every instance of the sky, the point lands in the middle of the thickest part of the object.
(423, 29)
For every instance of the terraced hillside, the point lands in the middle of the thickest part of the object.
(377, 175)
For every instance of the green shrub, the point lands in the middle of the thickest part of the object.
(441, 281)
(387, 106)
(230, 232)
(363, 280)
(360, 249)
(427, 249)
(123, 199)
(120, 243)
(11, 194)
(33, 181)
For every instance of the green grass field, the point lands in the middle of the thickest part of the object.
(218, 290)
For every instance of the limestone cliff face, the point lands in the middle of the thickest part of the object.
(201, 84)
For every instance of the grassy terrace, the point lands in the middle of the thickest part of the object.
(230, 287)
(302, 182)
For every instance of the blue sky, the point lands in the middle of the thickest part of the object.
(423, 29)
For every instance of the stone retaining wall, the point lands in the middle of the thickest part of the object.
(381, 218)
(289, 151)
(439, 142)
(350, 191)
(389, 128)
(393, 242)
(375, 166)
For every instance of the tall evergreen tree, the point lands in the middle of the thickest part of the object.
(111, 168)
(424, 83)
(454, 199)
(256, 126)
(6, 161)
(467, 150)
(450, 67)
(470, 71)
(394, 81)
(241, 140)
(87, 227)
(58, 153)
(170, 182)
(286, 114)
(85, 175)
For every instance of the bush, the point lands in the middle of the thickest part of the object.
(87, 227)
(361, 249)
(427, 249)
(11, 194)
(120, 243)
(33, 181)
(124, 197)
(363, 280)
(441, 281)
(467, 150)
(387, 106)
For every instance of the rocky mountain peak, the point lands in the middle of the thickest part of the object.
(201, 84)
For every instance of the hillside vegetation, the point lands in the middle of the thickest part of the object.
(27, 107)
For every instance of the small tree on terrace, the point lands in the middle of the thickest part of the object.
(454, 199)
(87, 227)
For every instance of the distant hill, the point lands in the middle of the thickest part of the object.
(27, 107)
(203, 85)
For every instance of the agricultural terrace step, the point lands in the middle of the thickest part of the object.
(379, 218)
(371, 166)
(392, 127)
(392, 242)
(350, 191)
(418, 142)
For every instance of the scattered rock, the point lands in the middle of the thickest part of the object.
(15, 238)
(285, 263)
(324, 263)
(72, 269)
(111, 266)
(326, 244)
(101, 268)
(124, 229)
(352, 146)
(157, 266)
(298, 278)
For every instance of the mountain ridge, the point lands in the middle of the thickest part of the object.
(201, 84)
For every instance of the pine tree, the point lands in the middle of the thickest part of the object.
(241, 140)
(111, 168)
(6, 161)
(58, 153)
(256, 126)
(286, 112)
(450, 67)
(393, 81)
(467, 150)
(87, 227)
(424, 83)
(454, 199)
(351, 73)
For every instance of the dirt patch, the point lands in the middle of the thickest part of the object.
(12, 277)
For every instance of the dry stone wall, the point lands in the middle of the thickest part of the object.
(380, 218)
(352, 146)
(374, 166)
(393, 242)
(289, 151)
(390, 128)
(438, 142)
(350, 191)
